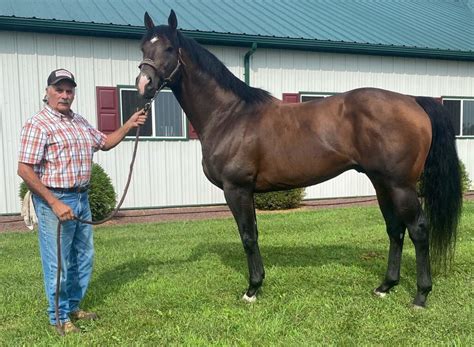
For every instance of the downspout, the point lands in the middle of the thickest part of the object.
(247, 62)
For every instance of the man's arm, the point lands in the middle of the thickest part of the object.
(138, 118)
(60, 209)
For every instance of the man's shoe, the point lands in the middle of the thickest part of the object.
(70, 328)
(81, 314)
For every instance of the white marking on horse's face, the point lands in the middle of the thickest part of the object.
(154, 39)
(142, 82)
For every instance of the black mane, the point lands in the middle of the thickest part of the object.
(210, 65)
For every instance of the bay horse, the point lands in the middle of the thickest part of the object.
(253, 142)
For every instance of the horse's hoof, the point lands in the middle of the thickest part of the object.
(249, 299)
(379, 294)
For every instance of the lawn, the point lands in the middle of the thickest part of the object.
(181, 283)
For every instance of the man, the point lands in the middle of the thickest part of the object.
(55, 160)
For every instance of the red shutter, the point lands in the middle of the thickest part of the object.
(291, 97)
(107, 109)
(192, 134)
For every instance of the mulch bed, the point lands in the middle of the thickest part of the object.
(16, 224)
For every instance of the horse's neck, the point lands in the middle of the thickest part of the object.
(202, 99)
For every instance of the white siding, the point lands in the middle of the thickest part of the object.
(281, 71)
(170, 173)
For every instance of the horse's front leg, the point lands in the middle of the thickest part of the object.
(241, 203)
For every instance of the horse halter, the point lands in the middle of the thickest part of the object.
(150, 62)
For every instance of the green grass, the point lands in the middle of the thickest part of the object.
(181, 283)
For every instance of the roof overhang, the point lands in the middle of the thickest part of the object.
(229, 39)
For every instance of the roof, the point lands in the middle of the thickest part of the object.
(425, 28)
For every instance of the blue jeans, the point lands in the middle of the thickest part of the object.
(77, 253)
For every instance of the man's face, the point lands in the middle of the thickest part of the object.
(61, 96)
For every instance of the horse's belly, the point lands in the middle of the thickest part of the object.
(290, 173)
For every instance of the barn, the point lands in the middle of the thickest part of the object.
(296, 50)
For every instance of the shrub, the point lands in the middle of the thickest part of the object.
(466, 182)
(279, 200)
(102, 197)
(23, 190)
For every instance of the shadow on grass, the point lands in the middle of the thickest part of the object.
(231, 254)
(112, 280)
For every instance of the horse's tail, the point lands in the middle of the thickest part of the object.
(440, 185)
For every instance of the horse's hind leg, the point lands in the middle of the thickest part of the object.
(241, 203)
(409, 209)
(396, 233)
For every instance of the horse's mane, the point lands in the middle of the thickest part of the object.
(212, 66)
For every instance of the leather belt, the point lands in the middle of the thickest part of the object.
(81, 189)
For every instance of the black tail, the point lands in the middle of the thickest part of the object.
(441, 186)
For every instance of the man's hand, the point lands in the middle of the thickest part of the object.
(62, 211)
(138, 118)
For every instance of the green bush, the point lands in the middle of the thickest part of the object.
(466, 182)
(280, 200)
(23, 190)
(102, 197)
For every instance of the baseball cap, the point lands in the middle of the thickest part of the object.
(60, 75)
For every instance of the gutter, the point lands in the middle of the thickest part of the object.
(247, 62)
(228, 39)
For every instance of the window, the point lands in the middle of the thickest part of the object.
(312, 96)
(462, 115)
(168, 120)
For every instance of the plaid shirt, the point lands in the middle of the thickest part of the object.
(60, 149)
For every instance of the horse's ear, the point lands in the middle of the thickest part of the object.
(172, 20)
(148, 21)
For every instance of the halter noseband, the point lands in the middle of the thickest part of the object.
(150, 62)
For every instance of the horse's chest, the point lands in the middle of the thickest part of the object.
(212, 171)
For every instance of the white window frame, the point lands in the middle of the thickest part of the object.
(310, 94)
(461, 111)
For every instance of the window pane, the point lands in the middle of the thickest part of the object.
(169, 116)
(310, 97)
(454, 108)
(468, 117)
(130, 100)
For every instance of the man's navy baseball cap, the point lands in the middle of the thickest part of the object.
(60, 75)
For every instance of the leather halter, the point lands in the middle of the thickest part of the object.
(150, 62)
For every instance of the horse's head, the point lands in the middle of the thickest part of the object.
(160, 55)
